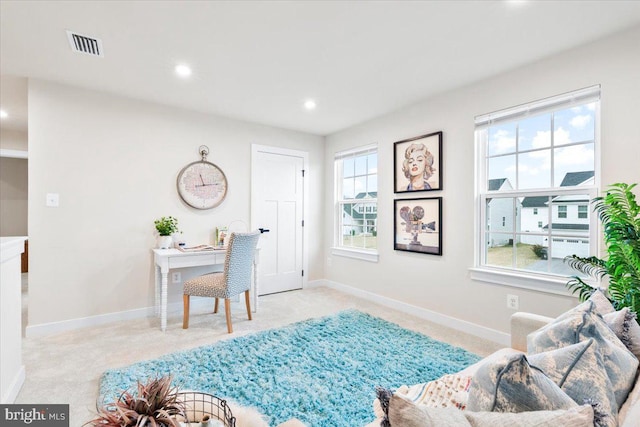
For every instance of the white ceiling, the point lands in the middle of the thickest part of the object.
(259, 61)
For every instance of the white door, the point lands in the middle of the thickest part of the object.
(277, 196)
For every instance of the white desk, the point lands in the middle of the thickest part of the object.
(167, 259)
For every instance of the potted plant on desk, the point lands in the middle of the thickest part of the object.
(166, 226)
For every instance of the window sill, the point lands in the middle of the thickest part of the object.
(535, 282)
(363, 255)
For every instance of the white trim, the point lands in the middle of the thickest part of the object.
(533, 282)
(365, 149)
(15, 154)
(501, 338)
(14, 388)
(557, 102)
(52, 328)
(256, 148)
(355, 254)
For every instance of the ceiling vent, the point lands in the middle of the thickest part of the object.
(85, 44)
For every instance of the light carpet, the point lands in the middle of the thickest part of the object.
(322, 371)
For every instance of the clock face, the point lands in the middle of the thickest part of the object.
(202, 185)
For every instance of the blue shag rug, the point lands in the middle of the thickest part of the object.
(322, 371)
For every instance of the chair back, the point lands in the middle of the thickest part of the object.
(238, 263)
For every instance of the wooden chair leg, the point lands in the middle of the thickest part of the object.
(215, 306)
(185, 314)
(227, 310)
(247, 300)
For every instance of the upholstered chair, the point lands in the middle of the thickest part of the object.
(234, 280)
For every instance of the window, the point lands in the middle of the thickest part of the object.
(562, 211)
(537, 166)
(583, 211)
(356, 197)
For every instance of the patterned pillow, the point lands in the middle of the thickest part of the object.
(625, 325)
(581, 416)
(512, 385)
(404, 413)
(580, 324)
(579, 371)
(447, 391)
(601, 302)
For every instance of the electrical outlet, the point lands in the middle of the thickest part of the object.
(176, 277)
(513, 302)
(328, 261)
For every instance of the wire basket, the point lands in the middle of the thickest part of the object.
(198, 404)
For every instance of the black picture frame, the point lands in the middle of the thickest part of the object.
(417, 225)
(429, 147)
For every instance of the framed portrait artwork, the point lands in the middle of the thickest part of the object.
(417, 163)
(417, 225)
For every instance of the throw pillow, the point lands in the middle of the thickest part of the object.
(403, 413)
(625, 325)
(581, 416)
(582, 323)
(512, 385)
(447, 391)
(601, 302)
(579, 371)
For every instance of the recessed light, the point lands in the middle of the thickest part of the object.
(183, 70)
(310, 104)
(3, 114)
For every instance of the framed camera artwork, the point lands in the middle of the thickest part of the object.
(418, 225)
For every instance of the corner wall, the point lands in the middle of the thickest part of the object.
(114, 163)
(442, 284)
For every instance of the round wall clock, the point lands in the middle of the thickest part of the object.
(202, 184)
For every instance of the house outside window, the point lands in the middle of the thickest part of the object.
(583, 211)
(356, 198)
(562, 211)
(537, 166)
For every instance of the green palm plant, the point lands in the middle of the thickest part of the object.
(620, 217)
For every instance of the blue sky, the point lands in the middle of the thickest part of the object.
(534, 164)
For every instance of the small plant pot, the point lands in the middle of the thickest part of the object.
(165, 242)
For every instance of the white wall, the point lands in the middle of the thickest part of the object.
(114, 162)
(442, 284)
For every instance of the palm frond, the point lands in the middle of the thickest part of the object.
(620, 216)
(577, 285)
(591, 266)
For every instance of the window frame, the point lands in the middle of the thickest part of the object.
(511, 276)
(337, 248)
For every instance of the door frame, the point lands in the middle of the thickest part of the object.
(257, 148)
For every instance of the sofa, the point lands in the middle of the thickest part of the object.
(579, 369)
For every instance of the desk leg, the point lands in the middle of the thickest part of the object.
(163, 303)
(157, 283)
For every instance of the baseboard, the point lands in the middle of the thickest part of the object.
(12, 391)
(46, 329)
(483, 332)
